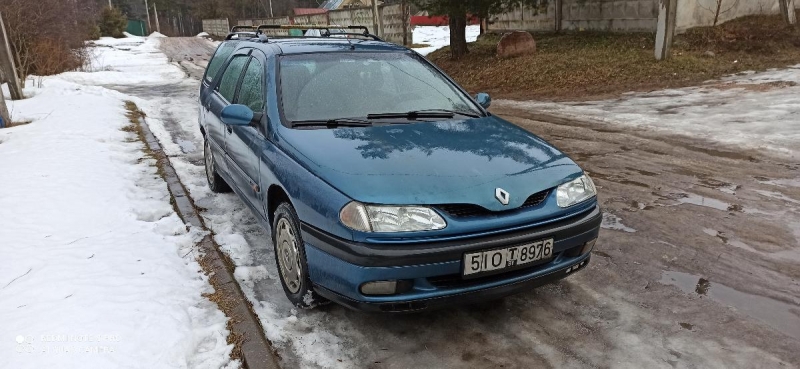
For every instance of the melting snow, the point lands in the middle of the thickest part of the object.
(611, 221)
(757, 111)
(97, 268)
(439, 37)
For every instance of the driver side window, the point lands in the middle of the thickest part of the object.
(227, 85)
(251, 94)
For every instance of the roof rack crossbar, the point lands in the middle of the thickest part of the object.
(240, 34)
(235, 29)
(263, 27)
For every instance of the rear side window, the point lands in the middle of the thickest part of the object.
(219, 57)
(227, 86)
(251, 93)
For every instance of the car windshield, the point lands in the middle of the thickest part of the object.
(354, 85)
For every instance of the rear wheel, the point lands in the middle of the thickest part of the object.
(215, 182)
(290, 257)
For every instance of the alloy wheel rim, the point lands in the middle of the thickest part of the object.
(288, 256)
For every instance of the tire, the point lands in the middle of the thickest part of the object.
(215, 181)
(290, 258)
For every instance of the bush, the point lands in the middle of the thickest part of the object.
(57, 47)
(112, 23)
(93, 31)
(54, 56)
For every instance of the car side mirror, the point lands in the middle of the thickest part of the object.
(484, 100)
(237, 115)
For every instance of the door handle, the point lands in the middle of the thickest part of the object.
(230, 130)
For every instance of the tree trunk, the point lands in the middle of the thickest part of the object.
(458, 32)
(4, 111)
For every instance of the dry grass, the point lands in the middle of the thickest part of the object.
(571, 66)
(19, 123)
(135, 117)
(221, 295)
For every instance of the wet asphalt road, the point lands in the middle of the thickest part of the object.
(698, 267)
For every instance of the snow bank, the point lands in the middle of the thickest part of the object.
(754, 110)
(157, 35)
(203, 34)
(98, 270)
(114, 64)
(439, 37)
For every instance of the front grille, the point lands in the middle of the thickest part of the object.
(471, 210)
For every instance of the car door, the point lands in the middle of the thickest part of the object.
(223, 95)
(215, 132)
(241, 141)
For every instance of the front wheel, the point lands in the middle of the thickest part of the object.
(290, 257)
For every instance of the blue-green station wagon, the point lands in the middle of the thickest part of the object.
(384, 185)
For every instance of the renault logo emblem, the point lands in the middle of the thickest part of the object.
(502, 195)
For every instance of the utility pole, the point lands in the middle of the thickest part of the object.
(406, 19)
(158, 25)
(376, 19)
(7, 65)
(788, 12)
(147, 10)
(665, 28)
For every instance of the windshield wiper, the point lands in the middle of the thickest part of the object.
(331, 123)
(429, 113)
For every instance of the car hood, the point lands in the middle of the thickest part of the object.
(442, 162)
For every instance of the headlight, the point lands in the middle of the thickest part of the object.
(381, 218)
(575, 191)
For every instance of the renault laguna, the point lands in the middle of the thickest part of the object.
(383, 184)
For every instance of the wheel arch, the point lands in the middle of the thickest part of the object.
(275, 196)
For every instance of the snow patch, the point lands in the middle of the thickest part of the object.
(611, 221)
(91, 247)
(439, 37)
(764, 118)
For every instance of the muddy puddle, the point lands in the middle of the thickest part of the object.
(779, 315)
(611, 221)
(704, 201)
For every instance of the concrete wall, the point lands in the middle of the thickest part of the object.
(598, 15)
(216, 27)
(610, 15)
(390, 14)
(695, 13)
(526, 18)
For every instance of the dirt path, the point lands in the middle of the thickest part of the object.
(697, 266)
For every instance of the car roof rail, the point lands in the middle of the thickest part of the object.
(260, 30)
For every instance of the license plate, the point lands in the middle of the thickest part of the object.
(507, 258)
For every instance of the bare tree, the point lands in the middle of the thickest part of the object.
(45, 33)
(719, 8)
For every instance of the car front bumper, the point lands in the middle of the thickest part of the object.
(338, 267)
